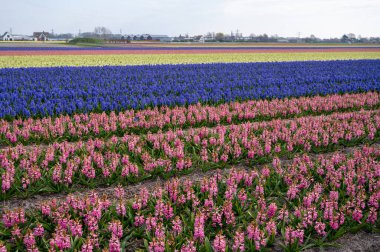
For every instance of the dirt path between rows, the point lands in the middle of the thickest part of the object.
(361, 241)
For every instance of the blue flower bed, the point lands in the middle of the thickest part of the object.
(66, 90)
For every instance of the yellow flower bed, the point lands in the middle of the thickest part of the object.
(144, 59)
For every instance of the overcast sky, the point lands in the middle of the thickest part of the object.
(323, 18)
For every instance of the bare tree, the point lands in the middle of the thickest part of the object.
(219, 36)
(102, 31)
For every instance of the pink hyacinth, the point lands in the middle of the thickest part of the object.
(177, 225)
(38, 230)
(157, 245)
(14, 217)
(272, 210)
(291, 235)
(320, 228)
(75, 228)
(199, 227)
(238, 244)
(219, 243)
(114, 244)
(116, 228)
(29, 240)
(139, 220)
(188, 247)
(3, 248)
(60, 240)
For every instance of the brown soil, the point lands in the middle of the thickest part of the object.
(361, 241)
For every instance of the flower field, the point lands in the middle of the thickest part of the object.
(82, 89)
(186, 58)
(254, 151)
(176, 50)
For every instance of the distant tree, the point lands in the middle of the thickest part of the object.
(219, 36)
(98, 30)
(311, 39)
(344, 39)
(209, 35)
(263, 38)
(102, 31)
(351, 37)
(149, 37)
(141, 37)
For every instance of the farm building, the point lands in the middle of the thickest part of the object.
(20, 37)
(6, 37)
(41, 36)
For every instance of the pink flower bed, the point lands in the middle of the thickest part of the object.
(104, 125)
(242, 211)
(135, 157)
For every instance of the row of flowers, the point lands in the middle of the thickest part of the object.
(301, 204)
(188, 58)
(35, 92)
(175, 48)
(135, 157)
(83, 126)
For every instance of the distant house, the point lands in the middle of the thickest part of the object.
(6, 37)
(41, 36)
(19, 37)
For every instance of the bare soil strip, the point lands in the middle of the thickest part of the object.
(361, 241)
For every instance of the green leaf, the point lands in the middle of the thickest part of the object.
(146, 244)
(208, 246)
